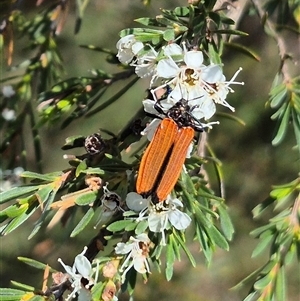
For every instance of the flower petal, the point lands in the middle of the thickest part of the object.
(149, 106)
(173, 50)
(194, 59)
(167, 68)
(151, 128)
(136, 202)
(83, 266)
(206, 108)
(139, 264)
(136, 47)
(213, 74)
(175, 202)
(125, 42)
(179, 220)
(156, 222)
(122, 248)
(143, 237)
(125, 56)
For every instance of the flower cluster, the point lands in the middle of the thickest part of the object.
(202, 86)
(137, 251)
(159, 216)
(81, 269)
(81, 272)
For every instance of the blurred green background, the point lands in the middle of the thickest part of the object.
(250, 163)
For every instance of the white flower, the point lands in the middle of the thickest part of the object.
(110, 204)
(201, 86)
(137, 251)
(128, 47)
(187, 82)
(81, 268)
(8, 114)
(164, 212)
(145, 64)
(216, 85)
(189, 72)
(160, 215)
(8, 91)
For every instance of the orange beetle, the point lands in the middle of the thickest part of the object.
(164, 157)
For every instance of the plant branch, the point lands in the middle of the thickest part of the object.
(281, 44)
(294, 214)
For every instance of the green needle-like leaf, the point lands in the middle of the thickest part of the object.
(10, 294)
(283, 126)
(280, 288)
(119, 225)
(170, 259)
(83, 222)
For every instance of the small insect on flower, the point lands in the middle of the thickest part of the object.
(163, 159)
